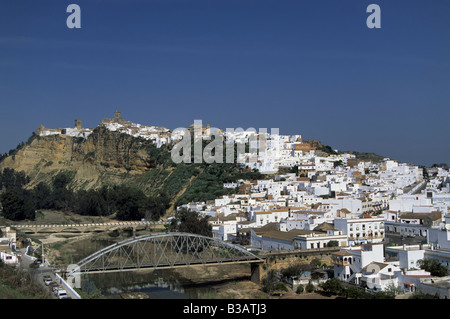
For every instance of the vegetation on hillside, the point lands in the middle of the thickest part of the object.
(188, 221)
(17, 284)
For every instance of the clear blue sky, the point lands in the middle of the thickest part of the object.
(309, 67)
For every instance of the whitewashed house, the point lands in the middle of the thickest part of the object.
(361, 230)
(379, 276)
(349, 262)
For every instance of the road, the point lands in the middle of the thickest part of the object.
(38, 273)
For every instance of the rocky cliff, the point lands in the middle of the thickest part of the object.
(104, 157)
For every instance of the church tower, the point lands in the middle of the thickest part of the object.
(117, 116)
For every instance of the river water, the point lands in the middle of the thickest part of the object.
(156, 284)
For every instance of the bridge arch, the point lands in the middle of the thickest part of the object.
(163, 250)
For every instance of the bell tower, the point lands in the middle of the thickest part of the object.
(117, 116)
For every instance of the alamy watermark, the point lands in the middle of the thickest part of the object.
(73, 21)
(229, 146)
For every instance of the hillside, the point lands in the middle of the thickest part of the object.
(325, 150)
(112, 158)
(105, 157)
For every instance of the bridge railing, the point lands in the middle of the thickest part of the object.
(164, 250)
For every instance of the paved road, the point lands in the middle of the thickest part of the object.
(38, 273)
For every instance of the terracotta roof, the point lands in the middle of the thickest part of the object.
(287, 236)
(324, 227)
(431, 216)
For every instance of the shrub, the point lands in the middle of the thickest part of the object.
(310, 287)
(300, 289)
(333, 286)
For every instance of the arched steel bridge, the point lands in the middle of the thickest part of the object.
(163, 250)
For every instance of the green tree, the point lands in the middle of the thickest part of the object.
(309, 287)
(129, 203)
(337, 163)
(17, 205)
(433, 266)
(297, 269)
(42, 196)
(155, 206)
(189, 221)
(88, 203)
(61, 180)
(333, 243)
(9, 178)
(62, 196)
(300, 289)
(271, 283)
(333, 286)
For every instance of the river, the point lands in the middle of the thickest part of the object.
(156, 284)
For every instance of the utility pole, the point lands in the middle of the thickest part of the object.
(43, 260)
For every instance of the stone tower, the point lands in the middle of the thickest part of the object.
(78, 124)
(117, 116)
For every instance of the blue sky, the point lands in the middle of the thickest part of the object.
(306, 67)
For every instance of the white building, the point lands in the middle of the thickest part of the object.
(271, 216)
(9, 258)
(320, 240)
(225, 227)
(411, 224)
(349, 262)
(408, 255)
(361, 230)
(379, 276)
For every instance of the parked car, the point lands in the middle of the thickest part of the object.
(46, 277)
(48, 281)
(53, 285)
(60, 293)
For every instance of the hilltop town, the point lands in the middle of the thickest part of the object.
(350, 206)
(314, 199)
(157, 134)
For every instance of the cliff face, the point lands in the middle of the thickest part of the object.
(104, 157)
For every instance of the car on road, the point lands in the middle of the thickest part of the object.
(53, 285)
(60, 293)
(48, 281)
